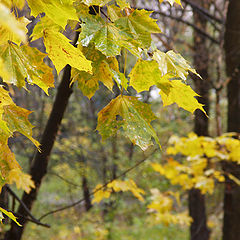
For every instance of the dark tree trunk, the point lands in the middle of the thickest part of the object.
(86, 194)
(4, 201)
(196, 201)
(231, 223)
(40, 162)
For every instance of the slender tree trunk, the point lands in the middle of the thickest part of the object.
(4, 201)
(40, 161)
(196, 201)
(231, 223)
(86, 194)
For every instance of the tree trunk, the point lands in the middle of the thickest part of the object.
(40, 162)
(86, 194)
(196, 201)
(231, 222)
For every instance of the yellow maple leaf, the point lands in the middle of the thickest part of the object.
(21, 179)
(100, 194)
(61, 52)
(176, 91)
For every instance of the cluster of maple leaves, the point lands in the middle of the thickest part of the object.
(114, 29)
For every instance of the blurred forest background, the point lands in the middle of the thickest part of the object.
(80, 160)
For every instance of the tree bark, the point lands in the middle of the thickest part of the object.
(86, 194)
(231, 222)
(40, 162)
(196, 201)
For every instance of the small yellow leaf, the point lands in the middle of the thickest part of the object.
(236, 180)
(10, 215)
(22, 180)
(99, 195)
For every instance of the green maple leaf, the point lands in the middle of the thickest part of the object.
(101, 3)
(24, 62)
(114, 12)
(107, 37)
(104, 35)
(132, 32)
(139, 26)
(58, 11)
(131, 115)
(61, 52)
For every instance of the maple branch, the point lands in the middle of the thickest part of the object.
(95, 191)
(32, 218)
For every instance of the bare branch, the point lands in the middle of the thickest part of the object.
(32, 218)
(204, 11)
(189, 24)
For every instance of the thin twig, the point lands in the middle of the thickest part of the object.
(204, 11)
(32, 218)
(64, 179)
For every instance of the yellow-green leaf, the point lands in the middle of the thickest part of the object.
(58, 11)
(174, 64)
(123, 4)
(102, 66)
(138, 26)
(17, 120)
(127, 185)
(44, 24)
(107, 37)
(130, 114)
(24, 62)
(178, 92)
(144, 75)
